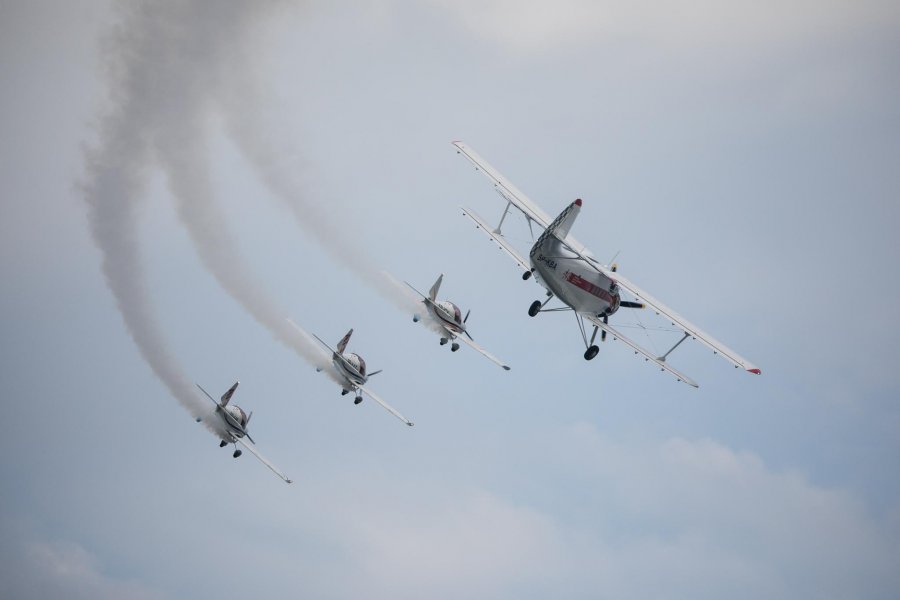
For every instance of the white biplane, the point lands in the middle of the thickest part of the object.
(230, 424)
(349, 370)
(565, 268)
(449, 322)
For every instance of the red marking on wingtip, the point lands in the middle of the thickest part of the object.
(754, 371)
(578, 202)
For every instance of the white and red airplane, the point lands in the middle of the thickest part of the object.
(230, 424)
(448, 321)
(567, 270)
(349, 371)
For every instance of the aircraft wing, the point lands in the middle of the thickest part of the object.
(485, 353)
(498, 238)
(504, 187)
(384, 404)
(514, 196)
(262, 459)
(677, 320)
(662, 364)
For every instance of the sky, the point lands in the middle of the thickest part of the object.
(178, 179)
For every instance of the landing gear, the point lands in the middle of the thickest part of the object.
(537, 305)
(526, 275)
(357, 400)
(591, 352)
(454, 347)
(222, 444)
(236, 453)
(443, 341)
(344, 392)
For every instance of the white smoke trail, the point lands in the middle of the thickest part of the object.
(113, 183)
(195, 62)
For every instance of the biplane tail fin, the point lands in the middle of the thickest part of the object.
(561, 225)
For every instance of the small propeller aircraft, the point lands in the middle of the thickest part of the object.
(451, 325)
(349, 370)
(568, 271)
(230, 424)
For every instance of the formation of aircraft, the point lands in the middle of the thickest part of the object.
(449, 321)
(349, 370)
(561, 264)
(565, 268)
(229, 421)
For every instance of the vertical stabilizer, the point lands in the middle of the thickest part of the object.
(560, 226)
(342, 345)
(226, 397)
(434, 289)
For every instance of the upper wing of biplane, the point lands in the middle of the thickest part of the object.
(514, 196)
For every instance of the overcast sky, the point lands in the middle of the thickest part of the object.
(177, 178)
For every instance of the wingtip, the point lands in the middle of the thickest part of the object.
(755, 371)
(578, 202)
(410, 423)
(505, 367)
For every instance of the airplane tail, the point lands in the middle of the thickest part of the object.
(226, 397)
(342, 345)
(434, 289)
(561, 225)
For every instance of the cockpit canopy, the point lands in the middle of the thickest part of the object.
(452, 309)
(358, 363)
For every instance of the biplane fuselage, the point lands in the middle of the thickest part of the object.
(572, 280)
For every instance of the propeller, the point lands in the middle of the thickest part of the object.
(628, 304)
(467, 315)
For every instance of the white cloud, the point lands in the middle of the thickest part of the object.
(673, 518)
(62, 569)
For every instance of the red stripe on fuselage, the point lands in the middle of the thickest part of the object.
(589, 287)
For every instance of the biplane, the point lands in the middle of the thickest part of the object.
(570, 273)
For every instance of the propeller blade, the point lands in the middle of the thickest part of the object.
(467, 315)
(628, 304)
(468, 335)
(603, 331)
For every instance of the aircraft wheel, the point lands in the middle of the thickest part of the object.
(454, 347)
(443, 341)
(344, 392)
(236, 453)
(222, 444)
(357, 400)
(591, 352)
(526, 275)
(535, 308)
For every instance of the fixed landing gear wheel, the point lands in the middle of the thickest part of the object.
(443, 341)
(344, 392)
(236, 453)
(526, 275)
(591, 352)
(535, 308)
(222, 444)
(357, 400)
(454, 347)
